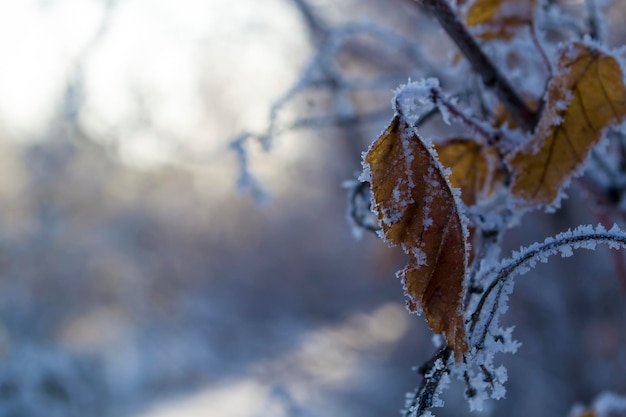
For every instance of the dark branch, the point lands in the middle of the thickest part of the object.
(423, 397)
(482, 65)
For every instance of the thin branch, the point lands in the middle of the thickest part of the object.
(491, 76)
(488, 239)
(338, 120)
(318, 29)
(593, 22)
(492, 136)
(580, 238)
(424, 396)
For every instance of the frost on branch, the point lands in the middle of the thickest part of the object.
(606, 404)
(416, 98)
(418, 210)
(485, 335)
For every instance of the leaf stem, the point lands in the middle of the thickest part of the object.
(492, 136)
(539, 48)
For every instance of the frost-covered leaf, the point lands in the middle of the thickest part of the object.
(499, 19)
(586, 95)
(418, 211)
(475, 167)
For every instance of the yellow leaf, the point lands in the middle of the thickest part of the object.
(418, 211)
(499, 19)
(586, 96)
(475, 168)
(482, 11)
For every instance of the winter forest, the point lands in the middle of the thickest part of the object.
(313, 208)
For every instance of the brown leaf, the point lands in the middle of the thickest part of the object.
(418, 211)
(476, 168)
(586, 97)
(499, 19)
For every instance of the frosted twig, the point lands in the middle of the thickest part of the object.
(493, 136)
(424, 396)
(246, 182)
(357, 198)
(489, 238)
(584, 237)
(593, 21)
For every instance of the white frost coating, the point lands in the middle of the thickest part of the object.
(414, 98)
(408, 150)
(420, 256)
(443, 384)
(500, 376)
(486, 337)
(606, 404)
(445, 113)
(566, 251)
(609, 404)
(556, 110)
(438, 340)
(583, 237)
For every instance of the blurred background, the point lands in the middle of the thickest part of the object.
(160, 256)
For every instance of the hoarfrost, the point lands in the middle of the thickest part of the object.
(566, 251)
(438, 340)
(414, 98)
(610, 404)
(420, 257)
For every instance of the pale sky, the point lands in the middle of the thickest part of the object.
(166, 73)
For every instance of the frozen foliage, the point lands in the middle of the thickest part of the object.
(525, 54)
(483, 378)
(486, 337)
(528, 137)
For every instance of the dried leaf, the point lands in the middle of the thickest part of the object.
(418, 211)
(586, 96)
(475, 168)
(499, 19)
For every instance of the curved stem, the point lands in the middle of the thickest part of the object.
(581, 238)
